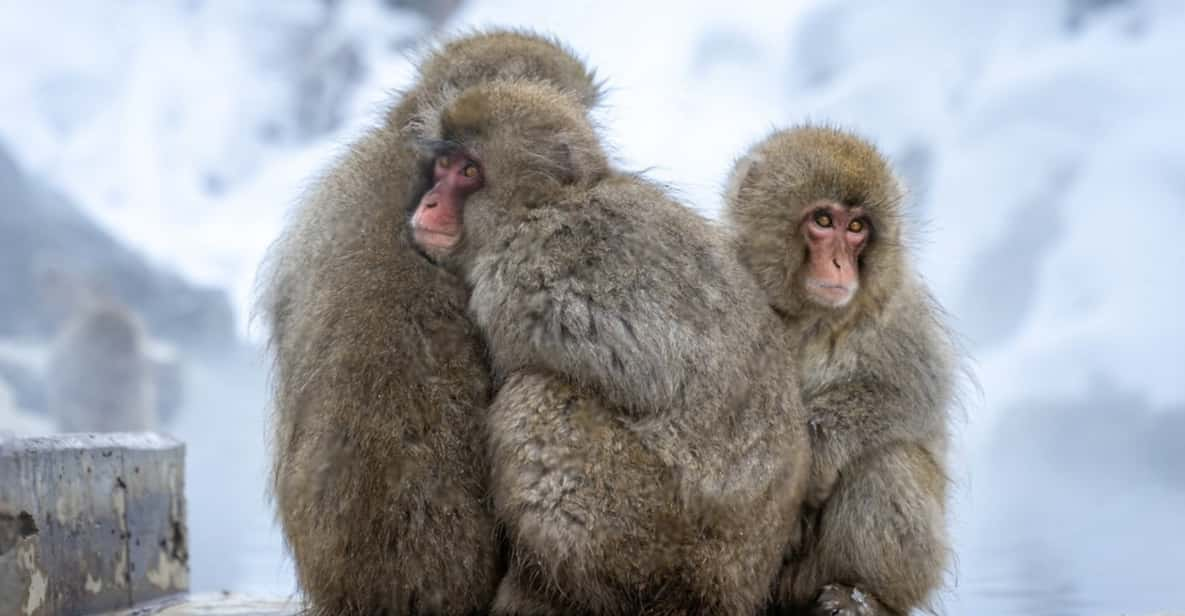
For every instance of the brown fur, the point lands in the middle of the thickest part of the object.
(876, 374)
(380, 380)
(648, 445)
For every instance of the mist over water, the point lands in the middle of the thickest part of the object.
(1042, 142)
(234, 542)
(1074, 507)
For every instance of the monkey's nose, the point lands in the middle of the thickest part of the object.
(835, 262)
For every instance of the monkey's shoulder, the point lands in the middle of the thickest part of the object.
(634, 197)
(633, 221)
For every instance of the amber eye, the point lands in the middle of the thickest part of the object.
(442, 161)
(823, 219)
(856, 226)
(470, 170)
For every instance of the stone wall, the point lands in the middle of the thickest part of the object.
(90, 522)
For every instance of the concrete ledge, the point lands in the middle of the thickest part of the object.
(214, 604)
(90, 522)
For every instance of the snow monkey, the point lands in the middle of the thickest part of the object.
(99, 376)
(380, 382)
(99, 373)
(817, 218)
(648, 444)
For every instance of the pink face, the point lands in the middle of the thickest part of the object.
(834, 236)
(436, 223)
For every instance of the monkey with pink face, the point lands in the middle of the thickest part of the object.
(381, 384)
(636, 455)
(647, 441)
(817, 217)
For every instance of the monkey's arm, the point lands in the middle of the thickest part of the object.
(896, 389)
(586, 296)
(849, 420)
(882, 533)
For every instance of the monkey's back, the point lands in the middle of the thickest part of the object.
(649, 445)
(380, 385)
(740, 381)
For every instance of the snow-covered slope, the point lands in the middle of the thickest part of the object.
(1044, 143)
(1032, 136)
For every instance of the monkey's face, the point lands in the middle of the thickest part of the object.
(436, 223)
(470, 206)
(502, 149)
(835, 236)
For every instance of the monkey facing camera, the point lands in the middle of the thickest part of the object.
(817, 218)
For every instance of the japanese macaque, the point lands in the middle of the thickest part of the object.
(648, 443)
(380, 473)
(99, 376)
(817, 218)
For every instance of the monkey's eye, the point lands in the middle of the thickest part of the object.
(470, 170)
(856, 226)
(442, 161)
(823, 219)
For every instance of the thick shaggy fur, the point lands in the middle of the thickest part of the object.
(381, 385)
(648, 443)
(877, 375)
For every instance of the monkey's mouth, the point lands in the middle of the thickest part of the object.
(435, 239)
(832, 295)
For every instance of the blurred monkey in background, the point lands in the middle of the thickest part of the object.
(99, 376)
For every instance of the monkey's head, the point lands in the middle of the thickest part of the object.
(497, 151)
(509, 55)
(816, 214)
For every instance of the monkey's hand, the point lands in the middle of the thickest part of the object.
(824, 468)
(840, 600)
(822, 484)
(849, 419)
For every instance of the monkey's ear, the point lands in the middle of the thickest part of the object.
(579, 165)
(427, 123)
(746, 170)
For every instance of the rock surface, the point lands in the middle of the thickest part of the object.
(90, 522)
(214, 604)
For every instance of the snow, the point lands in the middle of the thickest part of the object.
(1043, 141)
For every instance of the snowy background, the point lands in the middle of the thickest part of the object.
(1044, 143)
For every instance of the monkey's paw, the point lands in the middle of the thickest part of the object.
(840, 600)
(822, 484)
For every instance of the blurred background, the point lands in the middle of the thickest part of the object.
(150, 151)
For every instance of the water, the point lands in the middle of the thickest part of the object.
(1074, 507)
(1036, 538)
(234, 542)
